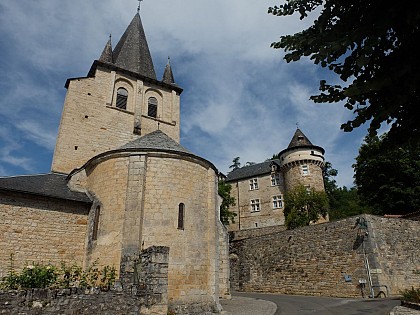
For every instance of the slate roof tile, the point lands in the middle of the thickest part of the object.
(49, 185)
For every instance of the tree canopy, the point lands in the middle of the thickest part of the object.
(303, 206)
(226, 216)
(388, 178)
(235, 163)
(370, 45)
(343, 202)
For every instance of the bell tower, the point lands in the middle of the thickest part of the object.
(118, 101)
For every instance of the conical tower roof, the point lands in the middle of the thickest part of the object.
(106, 55)
(168, 76)
(132, 52)
(299, 140)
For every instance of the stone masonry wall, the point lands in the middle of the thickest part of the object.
(107, 182)
(329, 259)
(293, 176)
(223, 259)
(394, 253)
(310, 261)
(193, 258)
(40, 229)
(143, 292)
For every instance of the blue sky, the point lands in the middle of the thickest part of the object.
(240, 97)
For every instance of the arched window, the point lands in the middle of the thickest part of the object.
(96, 223)
(152, 107)
(181, 214)
(122, 96)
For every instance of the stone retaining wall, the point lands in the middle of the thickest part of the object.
(329, 259)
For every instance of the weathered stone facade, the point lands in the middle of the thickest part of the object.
(329, 259)
(40, 229)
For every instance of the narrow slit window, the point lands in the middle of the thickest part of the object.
(122, 96)
(96, 223)
(181, 215)
(152, 107)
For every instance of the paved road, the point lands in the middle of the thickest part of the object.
(303, 305)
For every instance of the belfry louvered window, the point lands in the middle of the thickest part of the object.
(122, 96)
(152, 107)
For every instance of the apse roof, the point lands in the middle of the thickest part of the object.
(156, 140)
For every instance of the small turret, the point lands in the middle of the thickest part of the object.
(302, 163)
(106, 55)
(168, 76)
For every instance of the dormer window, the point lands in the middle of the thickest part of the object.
(122, 96)
(152, 107)
(300, 138)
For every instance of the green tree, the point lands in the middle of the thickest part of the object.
(226, 216)
(388, 178)
(303, 206)
(370, 46)
(328, 173)
(235, 164)
(343, 202)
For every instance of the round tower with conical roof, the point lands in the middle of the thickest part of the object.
(302, 163)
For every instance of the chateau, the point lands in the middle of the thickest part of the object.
(259, 189)
(120, 182)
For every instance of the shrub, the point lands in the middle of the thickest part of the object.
(39, 275)
(411, 295)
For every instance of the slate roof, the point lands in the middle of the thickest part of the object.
(299, 140)
(49, 185)
(107, 55)
(168, 76)
(132, 52)
(156, 140)
(251, 170)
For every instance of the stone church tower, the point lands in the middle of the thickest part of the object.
(118, 101)
(121, 182)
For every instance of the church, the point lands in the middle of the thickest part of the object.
(120, 182)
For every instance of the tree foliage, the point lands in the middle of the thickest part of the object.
(235, 164)
(388, 178)
(226, 216)
(370, 45)
(303, 206)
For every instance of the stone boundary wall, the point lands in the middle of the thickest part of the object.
(329, 259)
(312, 260)
(394, 253)
(243, 234)
(141, 290)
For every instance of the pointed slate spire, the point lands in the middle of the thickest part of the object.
(132, 52)
(168, 76)
(106, 55)
(299, 140)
